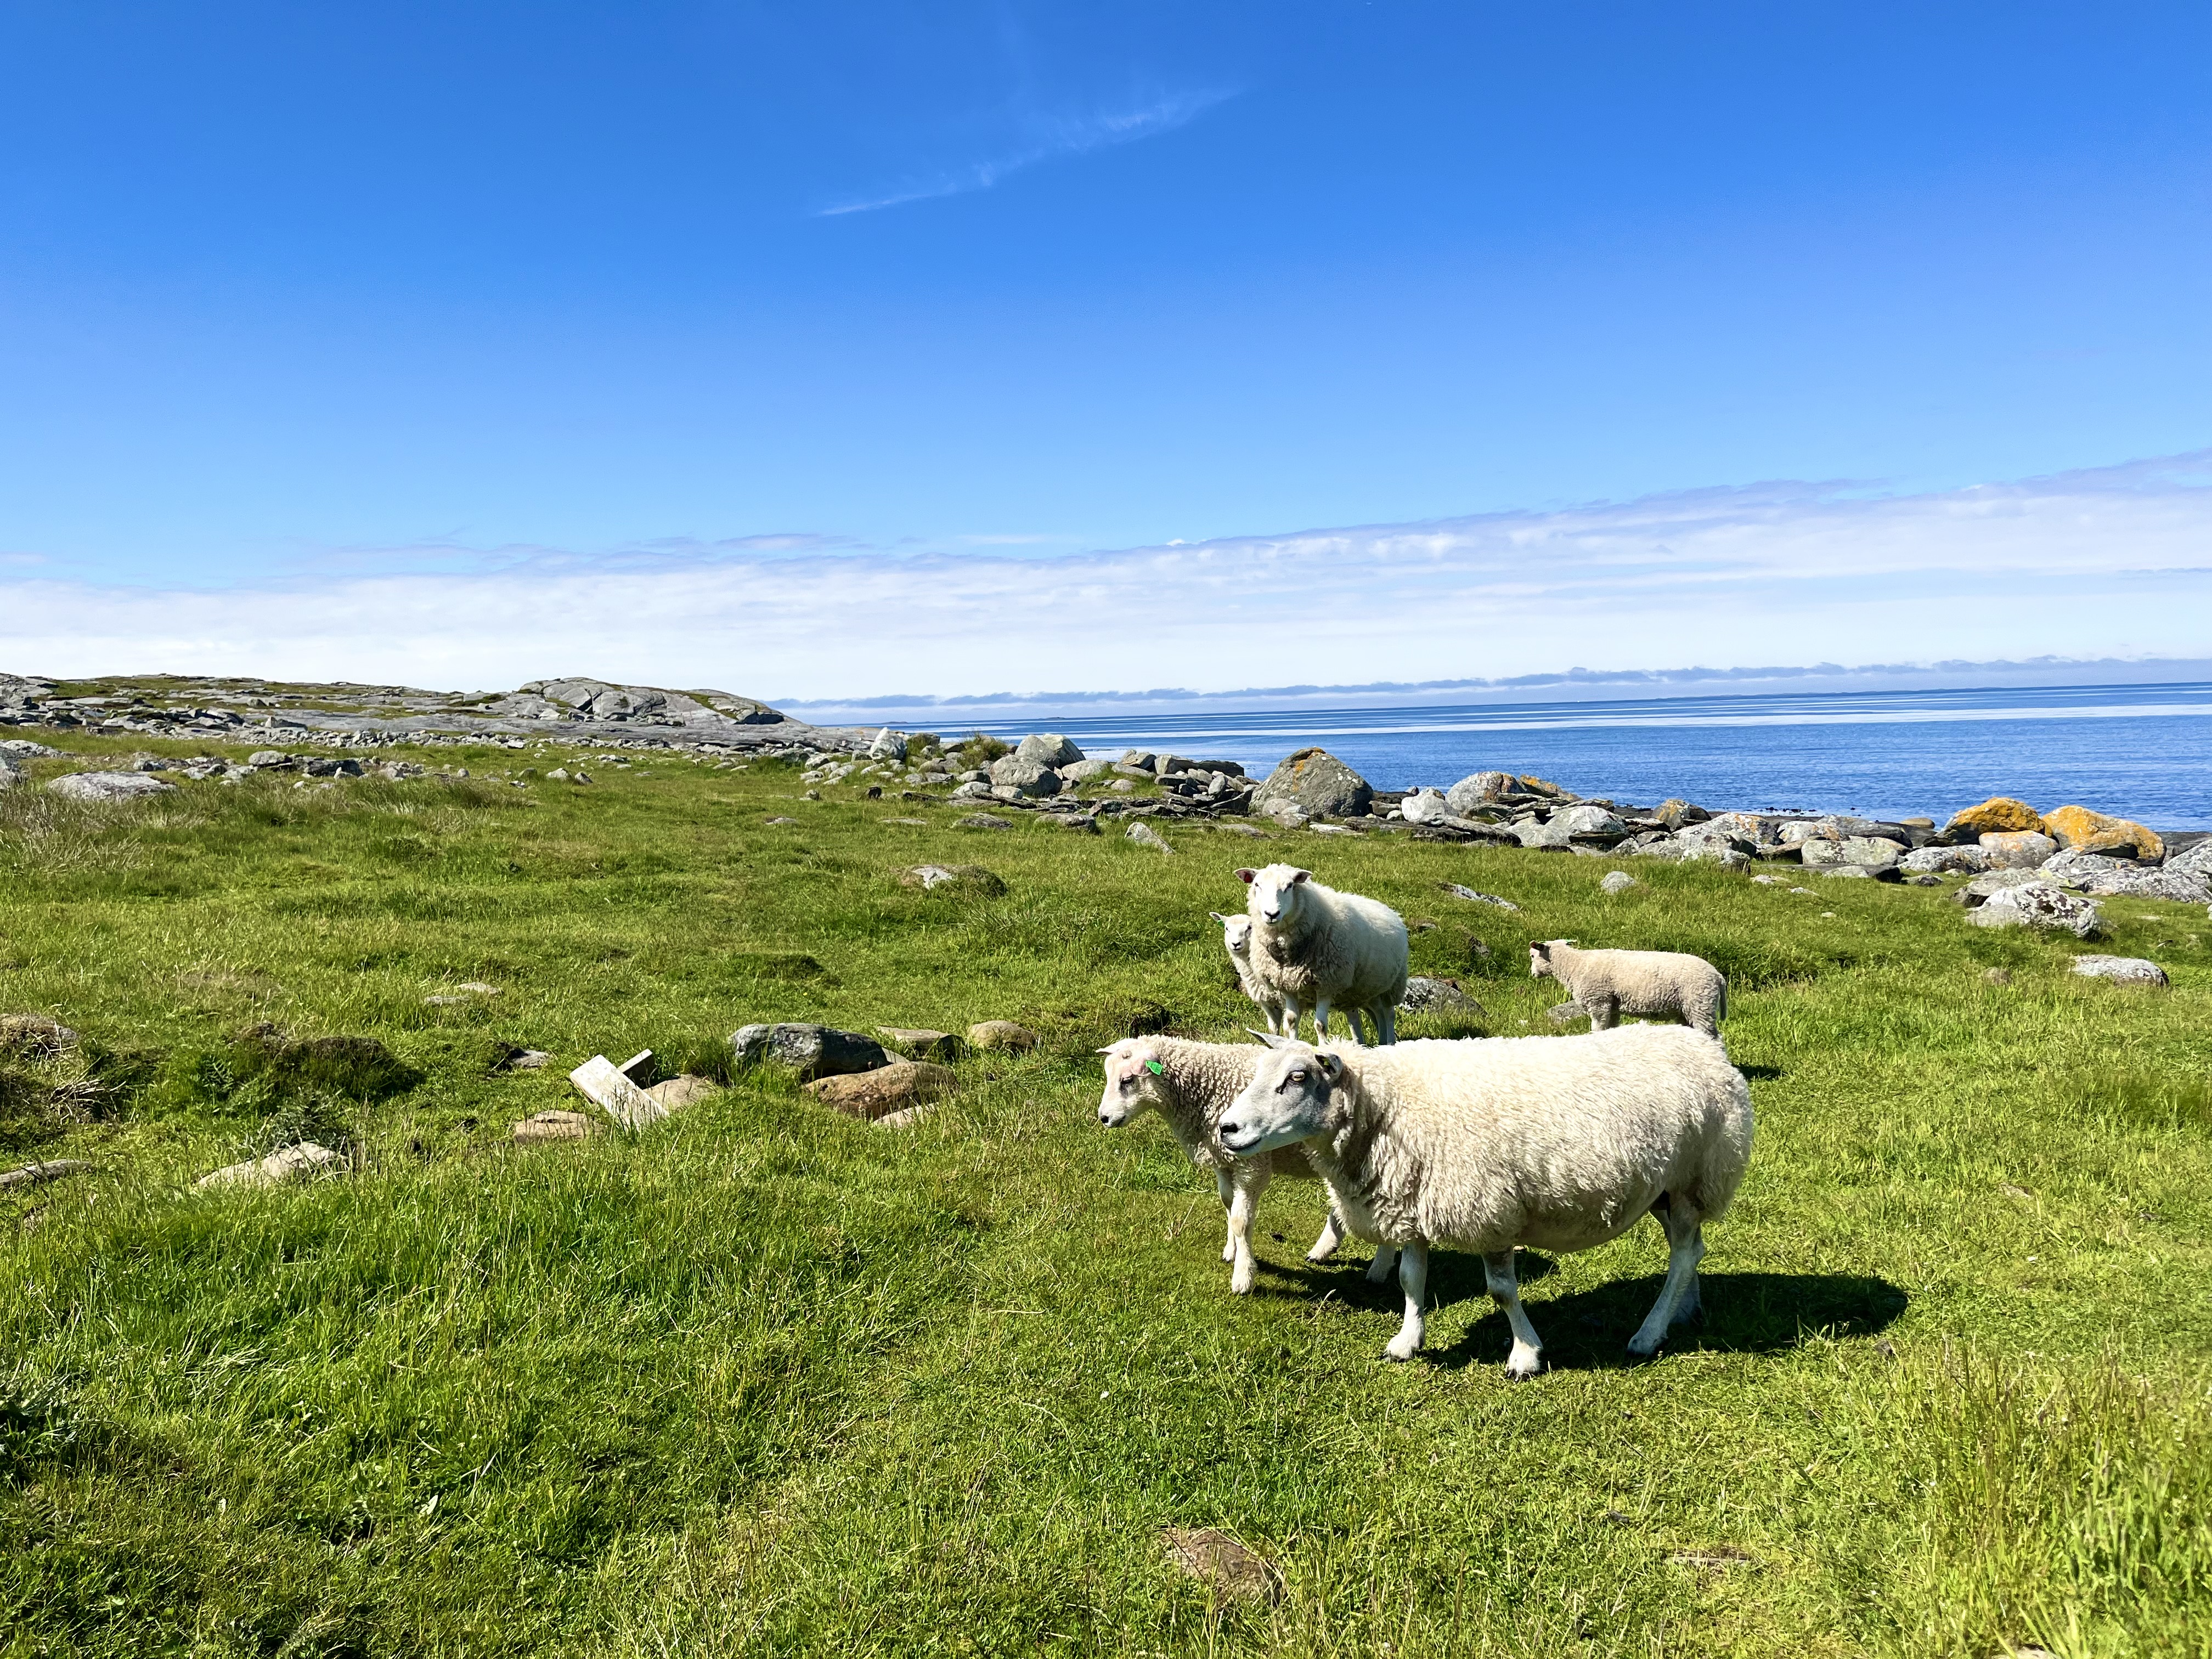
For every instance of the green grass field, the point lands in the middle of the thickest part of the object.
(770, 1380)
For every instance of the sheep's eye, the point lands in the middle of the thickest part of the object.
(1298, 1076)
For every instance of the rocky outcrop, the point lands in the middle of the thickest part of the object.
(1315, 783)
(2078, 829)
(2128, 971)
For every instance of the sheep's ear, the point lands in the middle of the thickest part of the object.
(1272, 1040)
(1332, 1066)
(1247, 876)
(1300, 878)
(1218, 917)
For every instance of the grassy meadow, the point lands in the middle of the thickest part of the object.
(769, 1380)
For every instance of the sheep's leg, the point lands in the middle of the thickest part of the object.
(1358, 1027)
(1414, 1279)
(1250, 1182)
(1686, 1247)
(1527, 1359)
(1290, 1016)
(1320, 1020)
(1225, 1183)
(1604, 1013)
(1332, 1235)
(1386, 1257)
(1386, 1023)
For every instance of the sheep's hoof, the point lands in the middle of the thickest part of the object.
(1319, 1255)
(1527, 1373)
(1402, 1350)
(1643, 1348)
(1240, 1284)
(1228, 1255)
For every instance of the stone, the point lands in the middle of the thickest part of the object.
(1426, 995)
(558, 774)
(1249, 831)
(1566, 1013)
(1997, 881)
(905, 1118)
(1145, 835)
(1996, 976)
(24, 749)
(2128, 970)
(524, 1059)
(1047, 749)
(1328, 830)
(676, 1092)
(1591, 825)
(1082, 771)
(1026, 777)
(1617, 881)
(990, 1034)
(603, 1082)
(2092, 872)
(1282, 811)
(887, 745)
(917, 1043)
(1679, 814)
(1998, 815)
(1481, 789)
(2038, 904)
(554, 1126)
(2197, 858)
(292, 1163)
(1474, 897)
(32, 1175)
(1318, 784)
(901, 1085)
(1217, 1560)
(1864, 873)
(11, 774)
(1426, 806)
(982, 821)
(972, 878)
(2078, 829)
(109, 785)
(1717, 835)
(1945, 861)
(1082, 824)
(270, 760)
(1865, 852)
(811, 1050)
(2017, 849)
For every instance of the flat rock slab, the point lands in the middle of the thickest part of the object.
(1221, 1562)
(678, 1092)
(2128, 970)
(919, 1044)
(600, 1081)
(292, 1164)
(1002, 1034)
(982, 821)
(109, 785)
(1474, 897)
(554, 1126)
(899, 1086)
(810, 1050)
(1145, 835)
(963, 877)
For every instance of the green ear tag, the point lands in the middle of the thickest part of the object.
(1155, 1067)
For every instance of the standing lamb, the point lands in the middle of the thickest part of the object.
(1236, 939)
(1550, 1143)
(1191, 1085)
(1317, 948)
(1610, 983)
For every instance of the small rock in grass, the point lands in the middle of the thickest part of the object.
(678, 1092)
(1998, 976)
(1805, 891)
(109, 785)
(982, 821)
(1469, 894)
(811, 1050)
(1427, 995)
(292, 1163)
(1566, 1013)
(2036, 905)
(897, 1087)
(1145, 835)
(968, 878)
(558, 774)
(34, 1035)
(1001, 1034)
(2128, 970)
(31, 1175)
(1619, 881)
(905, 1118)
(1768, 881)
(919, 1043)
(1211, 1555)
(1251, 829)
(782, 820)
(554, 1126)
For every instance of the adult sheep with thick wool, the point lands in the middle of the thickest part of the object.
(1549, 1143)
(1608, 984)
(1236, 939)
(1191, 1085)
(1316, 948)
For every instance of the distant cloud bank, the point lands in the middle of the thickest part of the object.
(2113, 563)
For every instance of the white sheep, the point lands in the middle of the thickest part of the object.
(1610, 983)
(1191, 1085)
(1549, 1143)
(1316, 948)
(1236, 939)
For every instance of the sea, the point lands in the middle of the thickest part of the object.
(2139, 752)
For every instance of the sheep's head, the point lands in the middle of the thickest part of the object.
(1236, 934)
(1135, 1080)
(1286, 1102)
(1276, 891)
(1540, 959)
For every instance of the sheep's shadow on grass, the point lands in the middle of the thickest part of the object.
(1744, 1313)
(1761, 1073)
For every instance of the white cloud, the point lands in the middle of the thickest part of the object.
(1059, 136)
(2110, 563)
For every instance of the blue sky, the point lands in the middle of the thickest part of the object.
(314, 320)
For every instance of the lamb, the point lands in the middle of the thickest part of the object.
(1236, 939)
(1315, 947)
(1610, 983)
(1191, 1085)
(1550, 1143)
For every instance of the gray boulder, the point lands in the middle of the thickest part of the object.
(1945, 861)
(2017, 849)
(2128, 970)
(1865, 852)
(1318, 784)
(2039, 904)
(1591, 825)
(1426, 806)
(109, 785)
(1439, 996)
(1481, 789)
(1617, 881)
(1082, 771)
(1047, 749)
(1710, 839)
(1677, 813)
(810, 1050)
(2195, 860)
(2092, 873)
(24, 749)
(887, 745)
(11, 774)
(1985, 886)
(1028, 777)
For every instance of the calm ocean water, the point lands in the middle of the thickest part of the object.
(2144, 751)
